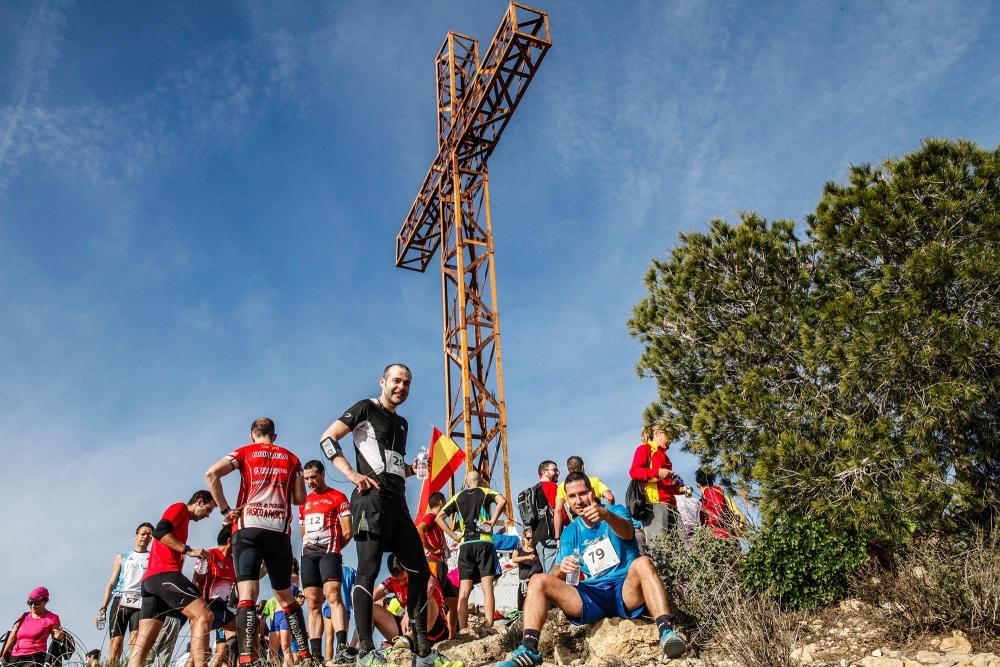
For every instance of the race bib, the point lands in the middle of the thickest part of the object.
(600, 556)
(131, 600)
(314, 523)
(394, 463)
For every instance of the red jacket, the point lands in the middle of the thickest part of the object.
(646, 464)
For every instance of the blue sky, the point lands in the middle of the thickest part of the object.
(198, 204)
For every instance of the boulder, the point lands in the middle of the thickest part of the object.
(627, 640)
(879, 661)
(955, 644)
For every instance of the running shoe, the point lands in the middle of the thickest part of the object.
(373, 658)
(673, 644)
(522, 657)
(434, 659)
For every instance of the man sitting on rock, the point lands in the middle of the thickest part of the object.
(615, 581)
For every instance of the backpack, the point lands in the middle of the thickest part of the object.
(533, 507)
(5, 636)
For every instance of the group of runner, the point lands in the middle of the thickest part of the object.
(149, 597)
(148, 587)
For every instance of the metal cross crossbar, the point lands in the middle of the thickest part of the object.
(476, 100)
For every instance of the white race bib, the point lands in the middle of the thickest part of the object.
(131, 600)
(314, 523)
(394, 463)
(600, 556)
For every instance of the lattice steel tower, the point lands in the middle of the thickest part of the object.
(476, 99)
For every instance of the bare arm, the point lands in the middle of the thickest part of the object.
(557, 518)
(609, 497)
(172, 543)
(346, 530)
(446, 528)
(621, 526)
(299, 491)
(213, 477)
(335, 432)
(501, 502)
(116, 571)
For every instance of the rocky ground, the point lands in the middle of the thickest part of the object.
(849, 635)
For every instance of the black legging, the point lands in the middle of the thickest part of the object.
(401, 538)
(37, 659)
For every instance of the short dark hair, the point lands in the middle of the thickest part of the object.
(225, 534)
(204, 496)
(385, 371)
(436, 498)
(316, 465)
(395, 567)
(704, 477)
(577, 476)
(144, 524)
(295, 565)
(543, 464)
(574, 463)
(263, 426)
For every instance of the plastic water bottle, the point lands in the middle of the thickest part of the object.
(573, 578)
(102, 620)
(201, 566)
(422, 466)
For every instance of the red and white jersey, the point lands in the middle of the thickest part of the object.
(220, 577)
(320, 517)
(267, 477)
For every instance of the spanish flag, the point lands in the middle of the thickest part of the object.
(445, 459)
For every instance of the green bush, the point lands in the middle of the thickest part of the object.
(802, 562)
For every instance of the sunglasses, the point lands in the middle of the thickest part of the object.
(32, 603)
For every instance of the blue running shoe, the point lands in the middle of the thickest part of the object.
(522, 657)
(673, 644)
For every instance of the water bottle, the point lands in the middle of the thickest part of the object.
(573, 578)
(102, 620)
(201, 566)
(422, 467)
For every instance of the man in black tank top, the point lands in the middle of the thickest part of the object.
(381, 518)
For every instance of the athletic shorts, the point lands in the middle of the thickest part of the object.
(122, 619)
(439, 570)
(440, 630)
(318, 568)
(253, 546)
(165, 592)
(477, 560)
(221, 614)
(603, 599)
(279, 622)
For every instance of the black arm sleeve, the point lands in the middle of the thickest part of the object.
(162, 529)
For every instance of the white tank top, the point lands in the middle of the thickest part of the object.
(133, 568)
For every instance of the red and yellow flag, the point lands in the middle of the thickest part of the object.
(445, 459)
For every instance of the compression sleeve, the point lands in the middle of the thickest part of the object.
(162, 529)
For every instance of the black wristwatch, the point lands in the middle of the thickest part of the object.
(187, 550)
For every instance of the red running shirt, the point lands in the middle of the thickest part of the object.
(433, 534)
(267, 476)
(320, 516)
(221, 575)
(161, 557)
(400, 590)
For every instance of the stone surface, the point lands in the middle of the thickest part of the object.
(955, 644)
(879, 661)
(625, 639)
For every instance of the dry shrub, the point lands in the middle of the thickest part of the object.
(752, 630)
(702, 575)
(941, 584)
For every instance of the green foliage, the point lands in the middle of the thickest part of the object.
(852, 376)
(802, 562)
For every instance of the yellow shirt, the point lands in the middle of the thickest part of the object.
(595, 483)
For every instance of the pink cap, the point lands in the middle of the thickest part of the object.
(39, 593)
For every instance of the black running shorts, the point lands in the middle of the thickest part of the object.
(253, 546)
(122, 620)
(477, 560)
(319, 568)
(165, 592)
